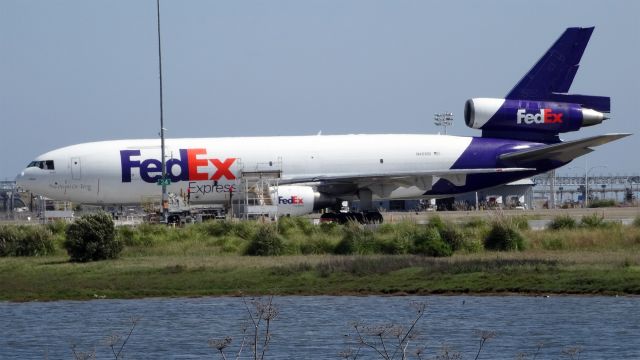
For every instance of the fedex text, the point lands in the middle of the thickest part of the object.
(544, 116)
(192, 165)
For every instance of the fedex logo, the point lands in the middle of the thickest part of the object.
(192, 165)
(545, 116)
(294, 200)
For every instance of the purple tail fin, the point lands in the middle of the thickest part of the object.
(551, 77)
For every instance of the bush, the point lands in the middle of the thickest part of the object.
(429, 243)
(57, 227)
(317, 245)
(453, 236)
(33, 240)
(266, 242)
(330, 228)
(602, 203)
(476, 223)
(356, 240)
(245, 229)
(562, 222)
(636, 221)
(216, 228)
(504, 236)
(520, 222)
(436, 222)
(393, 245)
(9, 235)
(92, 237)
(593, 221)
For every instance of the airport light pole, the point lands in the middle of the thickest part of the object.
(443, 119)
(163, 183)
(586, 180)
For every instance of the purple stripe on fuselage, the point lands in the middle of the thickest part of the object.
(484, 153)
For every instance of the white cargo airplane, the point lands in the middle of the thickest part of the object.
(519, 139)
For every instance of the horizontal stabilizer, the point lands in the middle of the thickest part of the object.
(563, 152)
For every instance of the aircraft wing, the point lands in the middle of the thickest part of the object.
(383, 183)
(564, 152)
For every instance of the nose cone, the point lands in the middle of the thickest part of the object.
(20, 180)
(27, 179)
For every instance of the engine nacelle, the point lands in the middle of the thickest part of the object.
(528, 115)
(299, 200)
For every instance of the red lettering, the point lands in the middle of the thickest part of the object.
(551, 118)
(223, 169)
(194, 162)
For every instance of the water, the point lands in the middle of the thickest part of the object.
(318, 327)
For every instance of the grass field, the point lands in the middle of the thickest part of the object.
(207, 260)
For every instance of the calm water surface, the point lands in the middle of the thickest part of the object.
(318, 327)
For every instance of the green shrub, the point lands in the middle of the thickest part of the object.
(356, 240)
(504, 236)
(429, 243)
(520, 222)
(393, 245)
(295, 224)
(9, 236)
(636, 221)
(330, 228)
(266, 242)
(144, 235)
(453, 236)
(602, 203)
(245, 229)
(553, 243)
(317, 245)
(216, 228)
(476, 223)
(92, 237)
(57, 227)
(287, 225)
(436, 222)
(472, 245)
(127, 235)
(34, 241)
(593, 221)
(562, 222)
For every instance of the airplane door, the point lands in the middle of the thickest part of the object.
(75, 168)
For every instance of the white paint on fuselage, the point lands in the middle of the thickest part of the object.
(91, 172)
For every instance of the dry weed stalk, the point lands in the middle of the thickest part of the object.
(261, 313)
(388, 340)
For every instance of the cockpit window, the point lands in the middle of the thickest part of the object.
(44, 164)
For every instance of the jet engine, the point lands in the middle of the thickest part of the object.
(299, 200)
(528, 115)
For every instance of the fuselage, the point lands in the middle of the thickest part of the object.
(209, 169)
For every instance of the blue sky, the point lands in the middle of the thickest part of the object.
(78, 71)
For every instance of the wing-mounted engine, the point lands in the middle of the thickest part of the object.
(528, 119)
(299, 199)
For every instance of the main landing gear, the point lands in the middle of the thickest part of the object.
(367, 217)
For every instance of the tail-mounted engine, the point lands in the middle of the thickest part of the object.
(528, 119)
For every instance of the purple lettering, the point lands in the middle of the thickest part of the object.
(127, 164)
